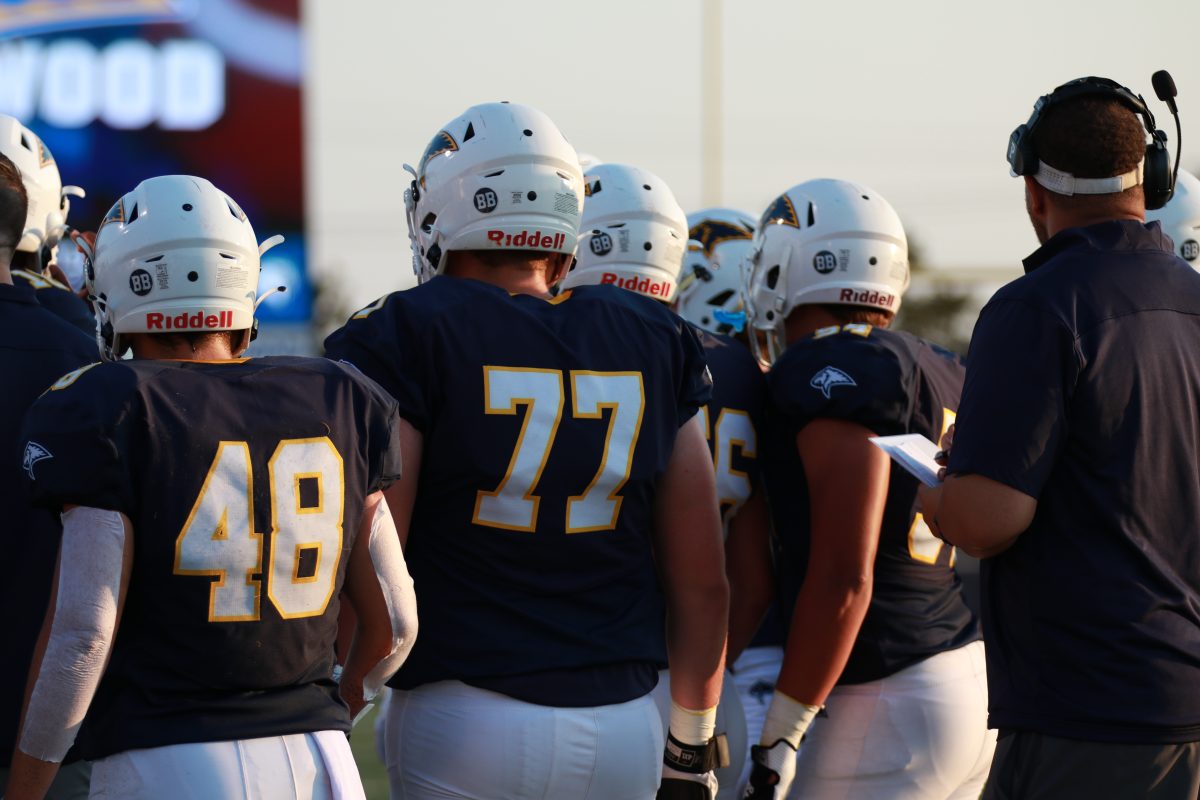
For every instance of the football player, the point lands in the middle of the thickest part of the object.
(880, 633)
(1180, 218)
(554, 459)
(710, 297)
(45, 224)
(215, 508)
(38, 348)
(634, 236)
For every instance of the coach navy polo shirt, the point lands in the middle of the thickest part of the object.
(1083, 392)
(36, 349)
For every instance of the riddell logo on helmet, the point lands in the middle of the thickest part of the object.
(190, 322)
(643, 285)
(867, 298)
(533, 240)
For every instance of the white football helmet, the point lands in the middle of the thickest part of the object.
(1180, 218)
(501, 176)
(635, 233)
(823, 241)
(176, 254)
(46, 218)
(710, 286)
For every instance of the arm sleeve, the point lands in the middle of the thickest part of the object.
(81, 635)
(398, 594)
(695, 383)
(1021, 373)
(379, 342)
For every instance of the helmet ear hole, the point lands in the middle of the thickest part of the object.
(773, 276)
(428, 222)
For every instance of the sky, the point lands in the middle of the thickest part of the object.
(914, 99)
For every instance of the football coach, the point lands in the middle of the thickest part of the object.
(1074, 471)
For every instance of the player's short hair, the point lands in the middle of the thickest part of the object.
(14, 203)
(195, 339)
(859, 315)
(504, 258)
(1092, 137)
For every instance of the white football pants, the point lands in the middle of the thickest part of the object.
(300, 766)
(730, 721)
(450, 740)
(920, 734)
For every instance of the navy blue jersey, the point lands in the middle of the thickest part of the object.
(36, 348)
(1083, 392)
(891, 383)
(546, 425)
(58, 299)
(734, 421)
(244, 482)
(733, 418)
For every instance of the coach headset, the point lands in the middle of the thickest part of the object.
(1158, 179)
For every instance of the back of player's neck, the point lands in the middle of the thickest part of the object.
(151, 347)
(6, 267)
(806, 320)
(511, 279)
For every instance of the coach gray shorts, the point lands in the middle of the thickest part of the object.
(1033, 766)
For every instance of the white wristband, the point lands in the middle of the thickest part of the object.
(787, 719)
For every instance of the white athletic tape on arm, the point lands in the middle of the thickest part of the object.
(85, 618)
(787, 719)
(692, 727)
(397, 586)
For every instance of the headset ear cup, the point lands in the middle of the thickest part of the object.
(1156, 181)
(1021, 157)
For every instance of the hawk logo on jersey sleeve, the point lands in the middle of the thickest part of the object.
(34, 453)
(828, 378)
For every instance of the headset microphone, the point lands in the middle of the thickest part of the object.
(1164, 87)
